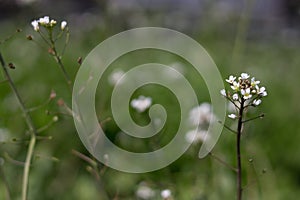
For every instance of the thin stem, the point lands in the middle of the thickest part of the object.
(39, 106)
(27, 166)
(228, 128)
(44, 38)
(238, 151)
(62, 67)
(85, 158)
(13, 161)
(20, 100)
(58, 59)
(94, 170)
(229, 99)
(259, 116)
(42, 129)
(66, 42)
(31, 127)
(10, 36)
(222, 162)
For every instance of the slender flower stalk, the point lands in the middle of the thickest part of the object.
(30, 125)
(246, 93)
(45, 28)
(50, 39)
(238, 151)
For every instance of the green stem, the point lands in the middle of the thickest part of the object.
(58, 60)
(27, 166)
(30, 125)
(238, 151)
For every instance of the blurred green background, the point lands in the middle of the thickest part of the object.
(260, 38)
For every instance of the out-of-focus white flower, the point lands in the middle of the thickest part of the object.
(231, 79)
(195, 136)
(55, 118)
(53, 22)
(145, 192)
(246, 93)
(165, 194)
(257, 102)
(115, 76)
(141, 104)
(35, 25)
(63, 25)
(235, 97)
(178, 69)
(232, 116)
(44, 20)
(244, 76)
(223, 92)
(201, 114)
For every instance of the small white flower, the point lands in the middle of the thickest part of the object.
(115, 76)
(235, 86)
(145, 192)
(44, 20)
(254, 82)
(235, 97)
(52, 22)
(257, 102)
(232, 116)
(244, 76)
(165, 194)
(246, 93)
(230, 79)
(63, 25)
(55, 118)
(201, 114)
(141, 104)
(195, 136)
(223, 92)
(35, 25)
(262, 91)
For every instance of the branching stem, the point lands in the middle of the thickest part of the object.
(58, 60)
(30, 125)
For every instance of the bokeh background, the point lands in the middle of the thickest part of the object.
(258, 37)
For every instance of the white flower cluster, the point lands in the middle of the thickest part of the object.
(166, 194)
(47, 23)
(115, 76)
(200, 116)
(141, 104)
(145, 192)
(246, 91)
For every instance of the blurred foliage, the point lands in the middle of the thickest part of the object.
(56, 173)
